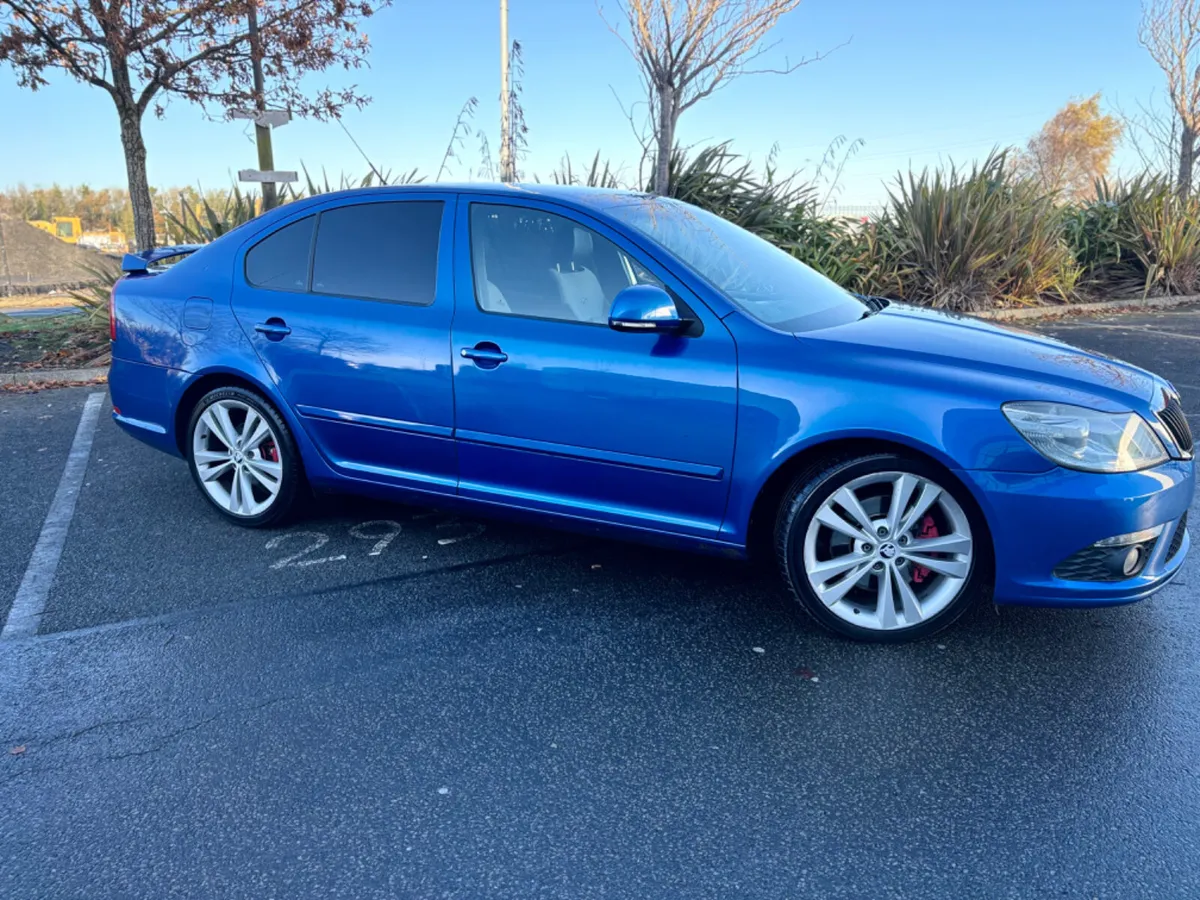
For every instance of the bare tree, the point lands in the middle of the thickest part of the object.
(143, 51)
(1151, 130)
(686, 49)
(1170, 32)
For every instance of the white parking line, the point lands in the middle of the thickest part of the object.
(26, 613)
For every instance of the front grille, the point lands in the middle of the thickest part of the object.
(1176, 422)
(1177, 538)
(1088, 565)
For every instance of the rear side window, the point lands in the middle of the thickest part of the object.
(280, 262)
(379, 251)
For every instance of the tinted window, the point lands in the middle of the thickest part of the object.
(528, 262)
(379, 251)
(280, 262)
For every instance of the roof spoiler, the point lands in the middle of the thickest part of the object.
(141, 262)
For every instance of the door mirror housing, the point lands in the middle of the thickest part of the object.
(646, 308)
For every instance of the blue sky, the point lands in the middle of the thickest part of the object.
(919, 81)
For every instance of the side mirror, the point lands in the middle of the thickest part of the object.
(644, 307)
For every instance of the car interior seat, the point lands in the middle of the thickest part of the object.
(578, 286)
(491, 299)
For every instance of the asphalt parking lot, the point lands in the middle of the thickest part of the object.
(384, 701)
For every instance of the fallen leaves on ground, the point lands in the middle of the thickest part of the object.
(49, 385)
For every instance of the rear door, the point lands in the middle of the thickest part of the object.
(349, 307)
(558, 412)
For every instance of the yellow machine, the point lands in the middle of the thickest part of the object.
(65, 228)
(70, 229)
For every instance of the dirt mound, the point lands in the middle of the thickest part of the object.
(32, 261)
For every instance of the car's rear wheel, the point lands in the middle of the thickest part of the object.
(243, 457)
(881, 547)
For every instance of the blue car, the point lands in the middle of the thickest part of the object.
(633, 366)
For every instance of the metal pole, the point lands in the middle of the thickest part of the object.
(4, 256)
(506, 174)
(262, 133)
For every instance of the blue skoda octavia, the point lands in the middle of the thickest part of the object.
(630, 365)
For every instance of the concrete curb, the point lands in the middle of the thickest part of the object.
(1072, 309)
(44, 375)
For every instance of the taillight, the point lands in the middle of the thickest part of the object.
(112, 313)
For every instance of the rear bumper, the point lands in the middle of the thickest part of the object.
(143, 402)
(1039, 520)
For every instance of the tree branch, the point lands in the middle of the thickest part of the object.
(62, 57)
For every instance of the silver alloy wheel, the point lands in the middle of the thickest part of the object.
(238, 458)
(888, 550)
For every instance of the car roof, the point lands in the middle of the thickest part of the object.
(590, 197)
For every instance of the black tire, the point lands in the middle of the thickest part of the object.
(814, 486)
(291, 490)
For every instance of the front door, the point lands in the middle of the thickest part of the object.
(555, 411)
(349, 308)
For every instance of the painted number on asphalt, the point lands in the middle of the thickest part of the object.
(381, 532)
(453, 531)
(390, 530)
(316, 540)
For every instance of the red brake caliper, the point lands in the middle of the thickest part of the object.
(928, 530)
(270, 451)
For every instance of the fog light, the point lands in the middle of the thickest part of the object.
(1125, 562)
(1109, 560)
(1135, 556)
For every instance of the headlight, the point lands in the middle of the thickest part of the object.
(1086, 439)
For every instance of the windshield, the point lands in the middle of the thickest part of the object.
(759, 278)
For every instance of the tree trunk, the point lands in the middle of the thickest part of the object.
(130, 117)
(666, 139)
(1187, 159)
(135, 168)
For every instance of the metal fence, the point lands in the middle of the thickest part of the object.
(838, 210)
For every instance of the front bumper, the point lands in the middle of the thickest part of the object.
(1039, 520)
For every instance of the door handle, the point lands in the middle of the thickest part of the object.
(485, 354)
(274, 329)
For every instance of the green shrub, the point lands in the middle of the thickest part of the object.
(599, 174)
(720, 181)
(839, 249)
(93, 299)
(965, 239)
(1136, 236)
(345, 183)
(784, 211)
(1092, 232)
(201, 223)
(1161, 231)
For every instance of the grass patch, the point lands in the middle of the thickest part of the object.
(55, 342)
(36, 301)
(24, 324)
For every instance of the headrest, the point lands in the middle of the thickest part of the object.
(583, 243)
(479, 251)
(572, 246)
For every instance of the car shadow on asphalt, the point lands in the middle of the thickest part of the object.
(642, 579)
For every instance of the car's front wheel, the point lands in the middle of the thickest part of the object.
(881, 547)
(243, 457)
